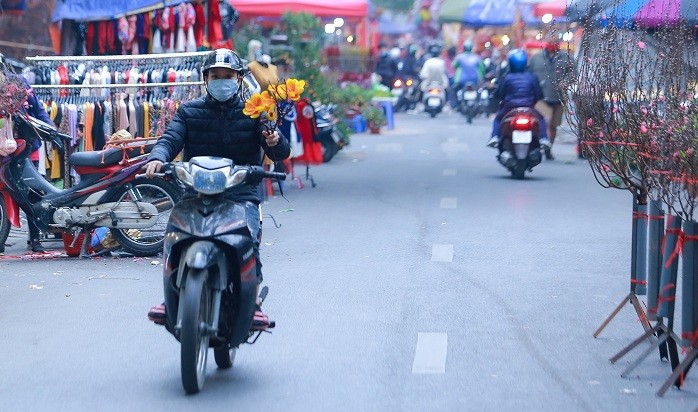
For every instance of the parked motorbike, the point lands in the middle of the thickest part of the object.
(108, 194)
(4, 225)
(468, 101)
(329, 134)
(406, 89)
(434, 99)
(210, 271)
(519, 148)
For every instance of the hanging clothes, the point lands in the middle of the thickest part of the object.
(215, 32)
(307, 128)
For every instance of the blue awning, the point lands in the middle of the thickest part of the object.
(94, 10)
(498, 13)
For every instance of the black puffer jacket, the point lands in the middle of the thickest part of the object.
(204, 127)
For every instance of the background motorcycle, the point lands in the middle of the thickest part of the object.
(406, 90)
(210, 276)
(519, 148)
(468, 101)
(434, 99)
(4, 225)
(108, 194)
(329, 133)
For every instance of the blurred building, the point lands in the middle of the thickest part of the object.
(24, 28)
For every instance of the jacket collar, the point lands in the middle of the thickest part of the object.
(218, 105)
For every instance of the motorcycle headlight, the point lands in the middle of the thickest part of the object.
(209, 182)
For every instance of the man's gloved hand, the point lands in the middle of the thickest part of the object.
(152, 167)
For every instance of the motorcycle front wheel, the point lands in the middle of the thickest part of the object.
(196, 314)
(4, 224)
(163, 194)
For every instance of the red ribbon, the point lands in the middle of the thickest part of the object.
(682, 237)
(640, 215)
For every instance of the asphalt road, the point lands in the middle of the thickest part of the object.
(416, 276)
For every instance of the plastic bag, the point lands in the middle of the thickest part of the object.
(8, 145)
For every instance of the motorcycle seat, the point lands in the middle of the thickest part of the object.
(108, 157)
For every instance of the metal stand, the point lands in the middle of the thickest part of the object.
(638, 244)
(308, 176)
(677, 376)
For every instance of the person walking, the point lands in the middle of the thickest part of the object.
(550, 66)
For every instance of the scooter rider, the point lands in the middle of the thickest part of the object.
(434, 70)
(214, 125)
(519, 88)
(469, 68)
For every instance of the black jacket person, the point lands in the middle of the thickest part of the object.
(215, 125)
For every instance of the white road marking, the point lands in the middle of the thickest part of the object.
(389, 148)
(430, 355)
(441, 253)
(449, 172)
(452, 148)
(448, 203)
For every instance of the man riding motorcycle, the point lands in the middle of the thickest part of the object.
(519, 88)
(214, 125)
(434, 70)
(469, 68)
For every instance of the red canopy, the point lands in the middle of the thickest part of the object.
(554, 7)
(354, 9)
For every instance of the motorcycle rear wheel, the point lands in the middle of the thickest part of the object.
(224, 356)
(4, 224)
(520, 170)
(161, 193)
(196, 314)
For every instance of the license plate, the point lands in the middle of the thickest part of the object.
(433, 102)
(470, 95)
(521, 136)
(397, 92)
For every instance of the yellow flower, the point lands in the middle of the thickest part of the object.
(279, 90)
(272, 114)
(254, 106)
(268, 100)
(294, 89)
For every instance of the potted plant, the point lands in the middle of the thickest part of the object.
(374, 117)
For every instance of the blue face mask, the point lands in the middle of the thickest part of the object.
(223, 89)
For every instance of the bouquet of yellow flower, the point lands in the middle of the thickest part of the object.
(275, 102)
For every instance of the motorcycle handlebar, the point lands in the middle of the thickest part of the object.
(275, 175)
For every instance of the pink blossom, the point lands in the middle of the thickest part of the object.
(689, 152)
(601, 134)
(643, 109)
(643, 128)
(615, 109)
(641, 45)
(590, 122)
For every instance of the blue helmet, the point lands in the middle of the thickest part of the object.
(517, 60)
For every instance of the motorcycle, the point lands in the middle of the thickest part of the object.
(434, 99)
(468, 101)
(519, 148)
(108, 194)
(484, 100)
(4, 225)
(329, 134)
(406, 90)
(210, 276)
